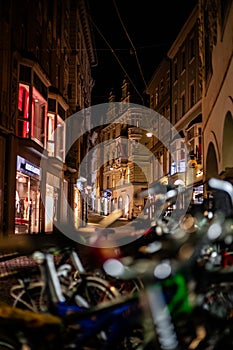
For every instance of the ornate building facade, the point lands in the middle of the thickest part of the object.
(191, 89)
(186, 108)
(199, 101)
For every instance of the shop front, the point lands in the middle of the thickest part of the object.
(52, 201)
(27, 197)
(77, 207)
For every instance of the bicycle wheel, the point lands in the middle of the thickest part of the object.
(124, 287)
(7, 342)
(128, 286)
(93, 290)
(96, 290)
(32, 298)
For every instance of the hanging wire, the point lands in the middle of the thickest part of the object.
(132, 45)
(116, 57)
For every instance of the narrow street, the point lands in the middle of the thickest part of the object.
(121, 231)
(94, 218)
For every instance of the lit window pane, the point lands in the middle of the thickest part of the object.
(23, 111)
(50, 132)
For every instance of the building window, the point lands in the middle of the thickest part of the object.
(156, 96)
(175, 70)
(120, 203)
(162, 86)
(183, 63)
(56, 130)
(194, 138)
(69, 91)
(191, 48)
(208, 48)
(60, 139)
(25, 74)
(23, 111)
(178, 157)
(113, 181)
(175, 113)
(135, 120)
(39, 110)
(182, 104)
(31, 114)
(192, 95)
(167, 79)
(50, 134)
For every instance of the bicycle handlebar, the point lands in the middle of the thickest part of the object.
(223, 186)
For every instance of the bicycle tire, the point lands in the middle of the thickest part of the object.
(96, 290)
(93, 289)
(7, 342)
(5, 345)
(29, 299)
(124, 287)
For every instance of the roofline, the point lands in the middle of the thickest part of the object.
(188, 25)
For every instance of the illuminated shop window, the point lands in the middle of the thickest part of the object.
(51, 201)
(27, 197)
(49, 205)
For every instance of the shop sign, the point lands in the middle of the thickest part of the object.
(26, 167)
(32, 168)
(107, 193)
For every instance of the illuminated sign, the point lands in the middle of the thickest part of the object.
(32, 168)
(26, 167)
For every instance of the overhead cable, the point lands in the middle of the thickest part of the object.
(116, 57)
(133, 47)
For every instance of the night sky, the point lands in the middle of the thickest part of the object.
(131, 38)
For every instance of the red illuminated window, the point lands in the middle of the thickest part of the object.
(31, 114)
(23, 109)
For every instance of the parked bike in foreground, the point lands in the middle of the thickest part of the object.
(173, 311)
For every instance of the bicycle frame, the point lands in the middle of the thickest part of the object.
(113, 320)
